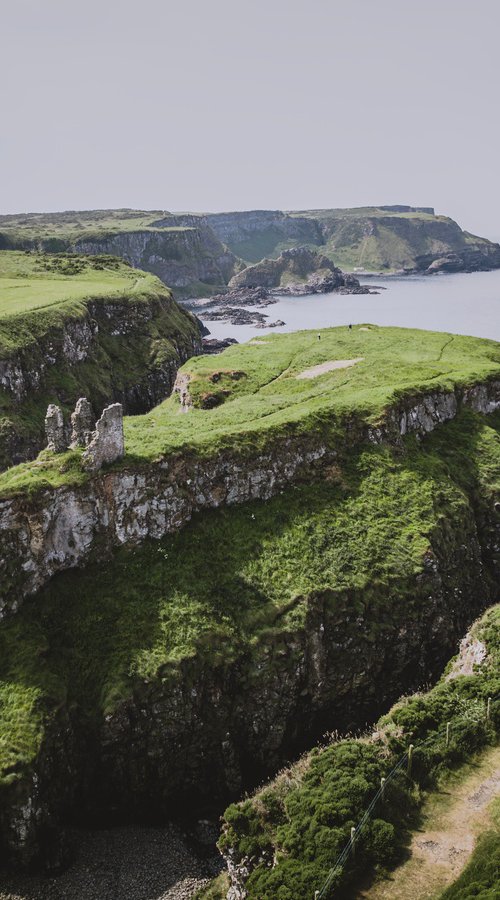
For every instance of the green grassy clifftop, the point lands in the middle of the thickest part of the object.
(73, 326)
(251, 394)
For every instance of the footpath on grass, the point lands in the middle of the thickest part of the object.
(453, 817)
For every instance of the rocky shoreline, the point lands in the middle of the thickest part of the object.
(130, 863)
(261, 285)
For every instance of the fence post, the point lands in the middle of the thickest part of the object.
(353, 848)
(410, 759)
(488, 709)
(448, 726)
(382, 787)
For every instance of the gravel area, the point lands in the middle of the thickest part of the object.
(125, 864)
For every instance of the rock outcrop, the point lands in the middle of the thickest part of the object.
(297, 271)
(103, 445)
(217, 345)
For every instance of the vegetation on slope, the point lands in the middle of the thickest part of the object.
(182, 250)
(92, 638)
(381, 239)
(254, 394)
(30, 281)
(302, 820)
(46, 302)
(57, 229)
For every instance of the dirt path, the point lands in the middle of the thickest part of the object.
(452, 820)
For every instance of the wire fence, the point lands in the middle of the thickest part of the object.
(405, 760)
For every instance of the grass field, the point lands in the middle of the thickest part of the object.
(259, 395)
(369, 211)
(31, 281)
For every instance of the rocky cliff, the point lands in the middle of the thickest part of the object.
(186, 671)
(260, 233)
(382, 239)
(65, 527)
(297, 271)
(182, 251)
(291, 835)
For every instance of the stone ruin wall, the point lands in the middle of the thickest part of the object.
(102, 440)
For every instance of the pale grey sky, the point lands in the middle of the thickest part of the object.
(222, 104)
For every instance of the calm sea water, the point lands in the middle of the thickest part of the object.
(464, 304)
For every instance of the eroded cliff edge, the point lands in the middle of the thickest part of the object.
(64, 527)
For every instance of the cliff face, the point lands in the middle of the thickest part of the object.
(256, 234)
(108, 350)
(182, 251)
(412, 244)
(168, 638)
(385, 239)
(64, 527)
(130, 728)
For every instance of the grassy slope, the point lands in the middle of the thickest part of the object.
(40, 295)
(304, 817)
(30, 281)
(72, 226)
(265, 398)
(54, 287)
(93, 635)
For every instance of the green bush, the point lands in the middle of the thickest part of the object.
(318, 812)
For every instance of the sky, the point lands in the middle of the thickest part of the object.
(207, 105)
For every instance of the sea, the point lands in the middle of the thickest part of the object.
(459, 303)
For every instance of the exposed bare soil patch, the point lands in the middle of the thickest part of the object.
(314, 371)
